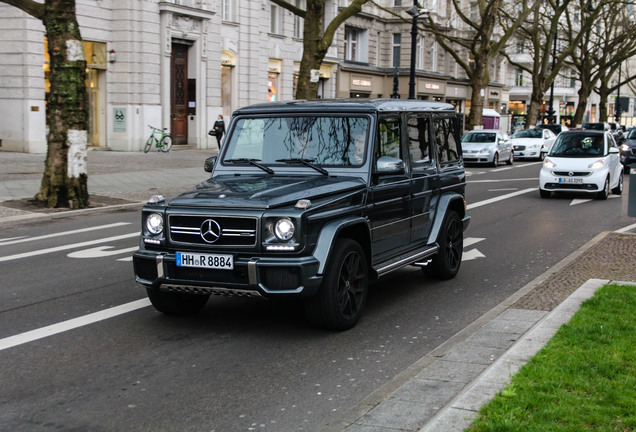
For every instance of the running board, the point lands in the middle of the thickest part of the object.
(404, 260)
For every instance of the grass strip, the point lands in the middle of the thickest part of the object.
(584, 379)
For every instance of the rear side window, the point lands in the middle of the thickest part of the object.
(419, 139)
(446, 139)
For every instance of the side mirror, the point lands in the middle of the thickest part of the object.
(388, 165)
(614, 150)
(209, 163)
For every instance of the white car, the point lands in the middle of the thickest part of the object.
(532, 143)
(582, 161)
(487, 146)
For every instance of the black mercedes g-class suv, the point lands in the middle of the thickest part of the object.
(312, 200)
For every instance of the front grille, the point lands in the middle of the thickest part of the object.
(519, 147)
(211, 276)
(572, 174)
(233, 231)
(282, 279)
(585, 186)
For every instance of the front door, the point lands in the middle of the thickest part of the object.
(179, 94)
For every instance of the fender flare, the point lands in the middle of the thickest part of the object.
(330, 232)
(447, 201)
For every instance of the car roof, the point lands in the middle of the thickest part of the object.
(484, 130)
(358, 105)
(583, 132)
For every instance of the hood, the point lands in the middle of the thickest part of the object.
(262, 192)
(527, 141)
(574, 164)
(630, 142)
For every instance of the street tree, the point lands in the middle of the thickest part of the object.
(538, 40)
(317, 38)
(64, 183)
(477, 44)
(604, 44)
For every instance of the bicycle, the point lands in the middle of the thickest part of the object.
(160, 138)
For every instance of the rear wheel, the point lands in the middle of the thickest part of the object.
(149, 142)
(172, 303)
(445, 264)
(510, 159)
(603, 194)
(166, 143)
(343, 294)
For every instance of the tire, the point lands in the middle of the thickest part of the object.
(495, 160)
(545, 193)
(446, 263)
(343, 294)
(618, 190)
(510, 160)
(602, 195)
(149, 142)
(172, 303)
(166, 143)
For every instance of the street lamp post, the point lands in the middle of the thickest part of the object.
(415, 13)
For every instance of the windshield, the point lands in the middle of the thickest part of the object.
(528, 133)
(632, 134)
(578, 145)
(479, 137)
(594, 126)
(322, 140)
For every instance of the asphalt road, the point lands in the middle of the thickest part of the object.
(247, 364)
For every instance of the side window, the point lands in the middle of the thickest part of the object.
(446, 142)
(417, 127)
(388, 143)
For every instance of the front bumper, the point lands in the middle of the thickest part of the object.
(263, 276)
(592, 182)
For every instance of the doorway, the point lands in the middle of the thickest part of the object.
(179, 93)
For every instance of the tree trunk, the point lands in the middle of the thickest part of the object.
(584, 93)
(312, 53)
(536, 100)
(64, 183)
(478, 80)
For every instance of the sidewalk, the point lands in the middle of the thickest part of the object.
(443, 391)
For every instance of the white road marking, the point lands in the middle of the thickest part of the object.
(625, 229)
(506, 180)
(125, 259)
(66, 247)
(28, 239)
(579, 201)
(499, 198)
(471, 255)
(469, 241)
(71, 324)
(100, 251)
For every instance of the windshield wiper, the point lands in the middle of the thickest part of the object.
(306, 162)
(253, 162)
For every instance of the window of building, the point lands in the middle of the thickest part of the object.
(274, 19)
(419, 53)
(434, 56)
(518, 77)
(356, 44)
(395, 51)
(397, 3)
(298, 21)
(228, 10)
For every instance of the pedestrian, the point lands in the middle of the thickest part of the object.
(219, 130)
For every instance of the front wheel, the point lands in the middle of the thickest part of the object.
(445, 264)
(603, 194)
(343, 294)
(166, 143)
(544, 193)
(172, 303)
(149, 142)
(495, 160)
(618, 190)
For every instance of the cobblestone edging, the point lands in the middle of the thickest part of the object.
(613, 258)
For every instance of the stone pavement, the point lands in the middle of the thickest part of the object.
(443, 391)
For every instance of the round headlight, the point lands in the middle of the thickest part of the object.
(284, 229)
(154, 223)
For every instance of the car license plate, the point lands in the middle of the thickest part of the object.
(211, 261)
(571, 180)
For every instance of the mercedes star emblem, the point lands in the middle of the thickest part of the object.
(210, 230)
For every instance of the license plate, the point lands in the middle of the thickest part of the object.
(211, 261)
(571, 180)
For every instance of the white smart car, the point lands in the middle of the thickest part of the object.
(582, 161)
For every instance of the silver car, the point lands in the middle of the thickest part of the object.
(487, 146)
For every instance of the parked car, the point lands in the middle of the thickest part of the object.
(582, 161)
(556, 128)
(532, 143)
(311, 200)
(487, 146)
(602, 126)
(628, 150)
(617, 132)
